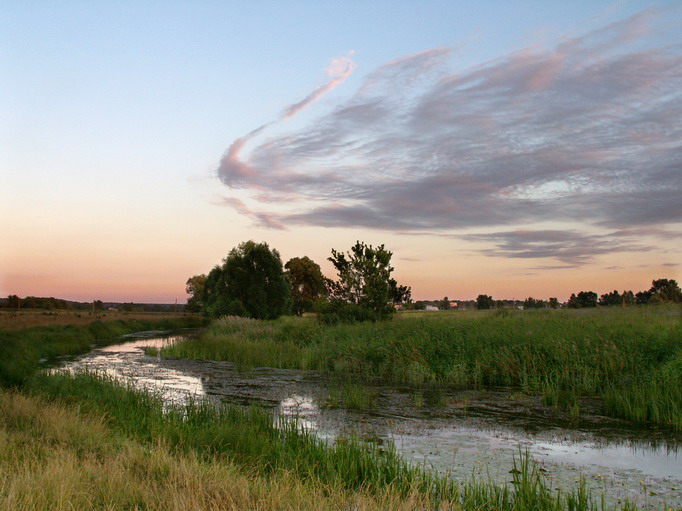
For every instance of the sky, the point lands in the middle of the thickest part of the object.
(514, 149)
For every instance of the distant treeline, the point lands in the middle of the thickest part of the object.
(51, 303)
(661, 291)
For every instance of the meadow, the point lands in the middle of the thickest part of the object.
(631, 357)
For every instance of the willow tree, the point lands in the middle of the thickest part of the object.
(250, 282)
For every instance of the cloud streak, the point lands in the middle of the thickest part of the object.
(568, 246)
(585, 131)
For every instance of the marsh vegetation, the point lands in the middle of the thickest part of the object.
(630, 358)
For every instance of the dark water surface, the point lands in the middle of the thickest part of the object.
(458, 433)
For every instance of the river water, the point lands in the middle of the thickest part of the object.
(461, 433)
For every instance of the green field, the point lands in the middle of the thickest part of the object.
(631, 357)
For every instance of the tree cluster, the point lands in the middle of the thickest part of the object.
(485, 302)
(661, 291)
(582, 299)
(51, 303)
(252, 282)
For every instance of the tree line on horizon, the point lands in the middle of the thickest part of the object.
(661, 291)
(14, 302)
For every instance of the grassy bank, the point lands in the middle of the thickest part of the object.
(631, 357)
(56, 457)
(21, 350)
(83, 442)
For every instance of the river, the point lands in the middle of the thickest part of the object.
(459, 433)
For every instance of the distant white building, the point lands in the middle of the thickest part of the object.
(431, 308)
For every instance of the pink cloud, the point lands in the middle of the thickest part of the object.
(339, 69)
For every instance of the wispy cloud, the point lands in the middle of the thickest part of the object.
(587, 130)
(339, 69)
(571, 247)
(233, 171)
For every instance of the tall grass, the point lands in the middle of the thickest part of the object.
(249, 437)
(616, 353)
(246, 342)
(21, 350)
(124, 450)
(56, 457)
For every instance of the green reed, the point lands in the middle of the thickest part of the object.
(564, 354)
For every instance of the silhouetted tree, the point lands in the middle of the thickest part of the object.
(583, 299)
(628, 298)
(195, 288)
(643, 297)
(485, 302)
(665, 290)
(533, 303)
(612, 298)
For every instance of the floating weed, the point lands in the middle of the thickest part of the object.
(436, 396)
(351, 396)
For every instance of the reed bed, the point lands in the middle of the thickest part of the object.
(630, 357)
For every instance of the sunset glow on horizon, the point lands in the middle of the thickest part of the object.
(513, 149)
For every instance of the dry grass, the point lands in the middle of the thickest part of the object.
(53, 457)
(18, 320)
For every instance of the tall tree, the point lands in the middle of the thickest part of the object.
(665, 290)
(195, 289)
(364, 283)
(250, 282)
(307, 283)
(485, 302)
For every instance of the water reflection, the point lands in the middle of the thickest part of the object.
(127, 362)
(459, 433)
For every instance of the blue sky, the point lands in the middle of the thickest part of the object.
(506, 148)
